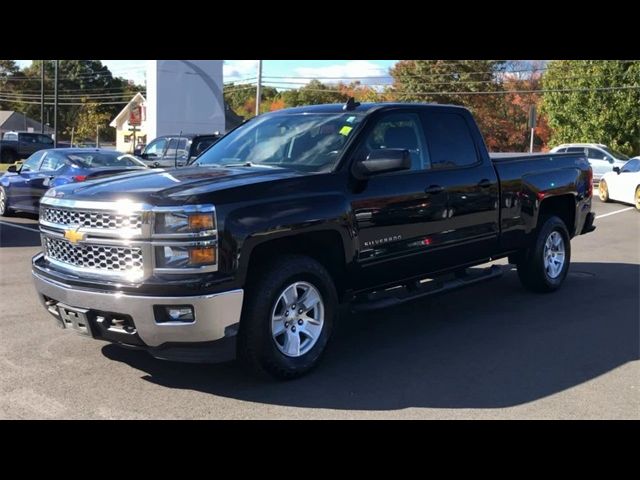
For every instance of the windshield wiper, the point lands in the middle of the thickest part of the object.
(248, 164)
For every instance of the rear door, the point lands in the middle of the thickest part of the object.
(28, 144)
(460, 165)
(601, 163)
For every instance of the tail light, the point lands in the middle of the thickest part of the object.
(590, 182)
(79, 178)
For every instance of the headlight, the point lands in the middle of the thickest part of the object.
(185, 256)
(180, 222)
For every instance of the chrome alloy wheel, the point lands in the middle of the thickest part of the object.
(554, 254)
(3, 201)
(297, 319)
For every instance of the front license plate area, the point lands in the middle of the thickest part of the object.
(75, 319)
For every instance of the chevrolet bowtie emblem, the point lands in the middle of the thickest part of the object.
(74, 236)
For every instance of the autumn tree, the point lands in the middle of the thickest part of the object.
(313, 93)
(242, 98)
(594, 101)
(88, 122)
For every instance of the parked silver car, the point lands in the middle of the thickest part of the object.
(601, 157)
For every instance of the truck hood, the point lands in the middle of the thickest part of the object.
(170, 186)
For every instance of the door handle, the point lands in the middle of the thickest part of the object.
(484, 183)
(433, 189)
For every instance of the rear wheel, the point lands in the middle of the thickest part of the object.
(288, 317)
(5, 211)
(638, 197)
(544, 266)
(603, 191)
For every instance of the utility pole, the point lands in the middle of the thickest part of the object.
(42, 96)
(97, 136)
(259, 88)
(55, 105)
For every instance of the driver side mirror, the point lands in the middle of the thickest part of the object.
(12, 169)
(383, 160)
(617, 170)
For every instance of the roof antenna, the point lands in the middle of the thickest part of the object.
(351, 104)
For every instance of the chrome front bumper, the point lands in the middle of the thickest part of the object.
(213, 313)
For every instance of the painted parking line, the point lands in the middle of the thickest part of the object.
(19, 226)
(616, 212)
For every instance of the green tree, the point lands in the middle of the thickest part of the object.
(313, 93)
(80, 82)
(611, 117)
(87, 122)
(242, 98)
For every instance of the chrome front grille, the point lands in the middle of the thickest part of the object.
(94, 257)
(91, 219)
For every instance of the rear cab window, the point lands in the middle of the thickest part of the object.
(450, 141)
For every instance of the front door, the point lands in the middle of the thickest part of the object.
(21, 185)
(398, 214)
(600, 162)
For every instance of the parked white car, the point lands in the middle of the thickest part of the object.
(622, 184)
(601, 158)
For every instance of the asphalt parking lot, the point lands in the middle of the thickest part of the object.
(492, 350)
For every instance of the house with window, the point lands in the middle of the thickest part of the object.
(125, 134)
(126, 137)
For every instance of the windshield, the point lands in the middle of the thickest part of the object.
(613, 153)
(309, 142)
(104, 159)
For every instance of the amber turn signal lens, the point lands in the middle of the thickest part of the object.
(201, 221)
(200, 256)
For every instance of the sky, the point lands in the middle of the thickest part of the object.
(287, 70)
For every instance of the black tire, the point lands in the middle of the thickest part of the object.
(7, 156)
(5, 210)
(256, 346)
(531, 269)
(603, 191)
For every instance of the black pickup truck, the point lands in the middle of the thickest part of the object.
(252, 249)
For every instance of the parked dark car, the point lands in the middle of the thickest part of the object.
(22, 186)
(253, 247)
(176, 150)
(18, 145)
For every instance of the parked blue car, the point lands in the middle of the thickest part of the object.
(22, 186)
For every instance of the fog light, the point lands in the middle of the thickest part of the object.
(198, 256)
(179, 314)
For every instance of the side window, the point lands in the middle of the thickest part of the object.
(28, 138)
(580, 150)
(202, 145)
(398, 130)
(594, 154)
(631, 166)
(52, 162)
(31, 164)
(450, 142)
(44, 139)
(177, 148)
(156, 148)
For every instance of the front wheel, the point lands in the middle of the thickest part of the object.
(603, 191)
(637, 198)
(5, 211)
(544, 266)
(288, 317)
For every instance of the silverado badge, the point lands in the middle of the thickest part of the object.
(74, 236)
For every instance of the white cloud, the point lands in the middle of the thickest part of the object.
(354, 70)
(235, 70)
